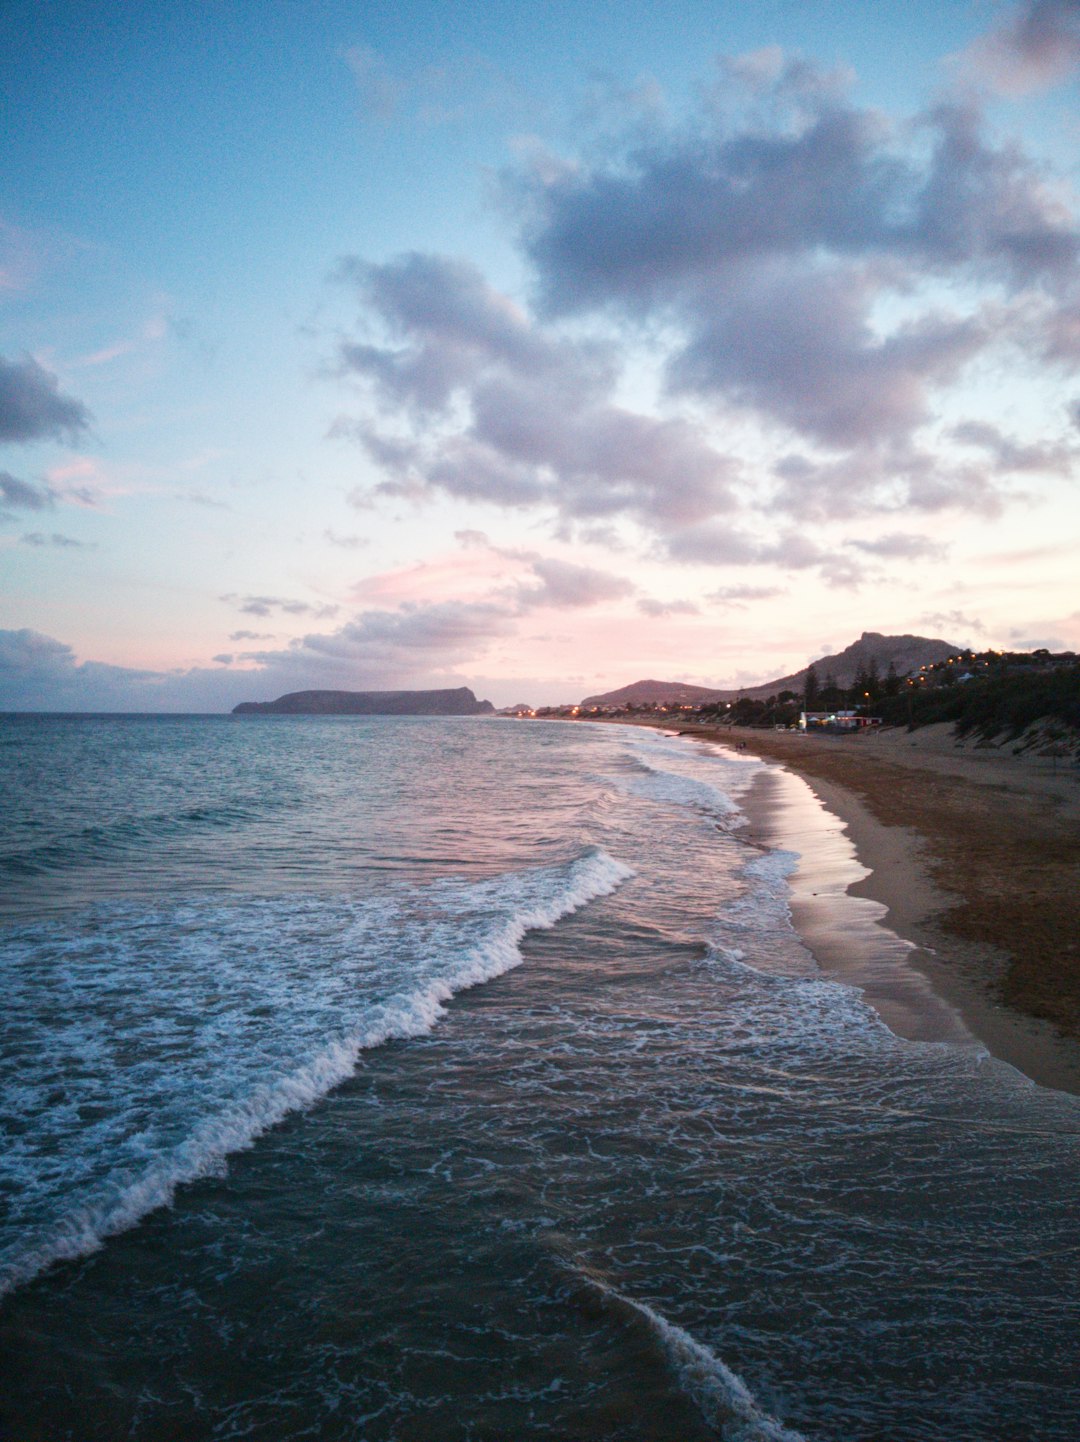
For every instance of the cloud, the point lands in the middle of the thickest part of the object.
(429, 95)
(798, 345)
(541, 428)
(376, 651)
(32, 406)
(38, 538)
(713, 543)
(739, 595)
(650, 607)
(716, 545)
(952, 621)
(197, 498)
(773, 245)
(411, 644)
(785, 266)
(901, 545)
(1011, 456)
(1037, 47)
(267, 605)
(38, 672)
(885, 478)
(16, 495)
(689, 212)
(347, 543)
(565, 585)
(388, 648)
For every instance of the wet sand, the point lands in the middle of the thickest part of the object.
(969, 854)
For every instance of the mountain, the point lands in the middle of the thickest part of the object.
(658, 693)
(906, 653)
(460, 702)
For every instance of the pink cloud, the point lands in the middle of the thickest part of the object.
(458, 575)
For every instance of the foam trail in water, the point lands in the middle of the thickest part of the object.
(722, 1397)
(120, 1187)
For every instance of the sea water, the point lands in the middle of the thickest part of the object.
(466, 1079)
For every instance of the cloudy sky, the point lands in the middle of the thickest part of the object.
(538, 348)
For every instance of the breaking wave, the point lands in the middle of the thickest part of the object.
(173, 1038)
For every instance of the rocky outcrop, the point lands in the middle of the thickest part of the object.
(459, 702)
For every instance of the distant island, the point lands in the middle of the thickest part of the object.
(459, 702)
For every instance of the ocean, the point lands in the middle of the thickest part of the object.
(435, 1080)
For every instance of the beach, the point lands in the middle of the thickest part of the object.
(974, 854)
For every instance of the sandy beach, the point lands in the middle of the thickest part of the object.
(968, 853)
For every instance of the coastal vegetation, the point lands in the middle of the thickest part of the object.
(1012, 693)
(995, 695)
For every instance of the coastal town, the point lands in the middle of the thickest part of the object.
(1010, 686)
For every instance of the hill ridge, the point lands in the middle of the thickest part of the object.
(907, 652)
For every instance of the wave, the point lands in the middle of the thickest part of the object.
(657, 783)
(201, 972)
(721, 1396)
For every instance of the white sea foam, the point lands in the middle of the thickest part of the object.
(722, 1397)
(175, 1038)
(669, 777)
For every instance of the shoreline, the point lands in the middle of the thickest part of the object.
(946, 887)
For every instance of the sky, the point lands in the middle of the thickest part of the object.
(535, 348)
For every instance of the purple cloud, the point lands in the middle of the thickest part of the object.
(1037, 47)
(901, 545)
(565, 585)
(541, 426)
(650, 607)
(883, 479)
(798, 345)
(267, 605)
(32, 406)
(1011, 456)
(739, 595)
(768, 247)
(686, 213)
(16, 495)
(784, 266)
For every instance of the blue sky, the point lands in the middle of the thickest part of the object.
(536, 348)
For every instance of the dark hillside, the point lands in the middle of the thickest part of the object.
(992, 705)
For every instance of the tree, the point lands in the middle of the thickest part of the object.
(811, 691)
